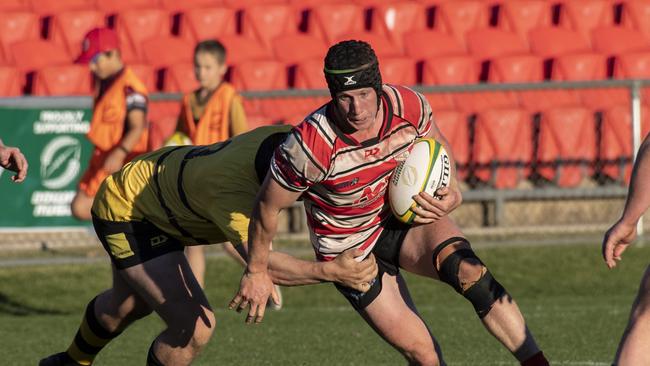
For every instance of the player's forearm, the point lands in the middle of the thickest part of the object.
(638, 198)
(262, 229)
(286, 270)
(132, 137)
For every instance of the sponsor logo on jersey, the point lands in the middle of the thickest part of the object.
(370, 152)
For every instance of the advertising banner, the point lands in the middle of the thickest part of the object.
(53, 141)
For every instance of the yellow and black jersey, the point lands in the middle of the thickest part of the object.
(198, 194)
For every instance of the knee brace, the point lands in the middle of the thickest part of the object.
(485, 290)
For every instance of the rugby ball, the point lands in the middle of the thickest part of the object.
(426, 169)
(178, 139)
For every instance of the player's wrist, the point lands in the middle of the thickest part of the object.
(123, 149)
(326, 271)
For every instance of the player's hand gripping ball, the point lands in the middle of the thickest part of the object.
(426, 169)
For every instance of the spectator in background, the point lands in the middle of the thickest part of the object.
(118, 126)
(12, 159)
(634, 348)
(210, 114)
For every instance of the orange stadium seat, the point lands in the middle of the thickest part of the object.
(50, 7)
(264, 75)
(14, 27)
(503, 146)
(580, 66)
(551, 41)
(588, 66)
(63, 80)
(265, 22)
(516, 69)
(259, 75)
(458, 16)
(28, 55)
(160, 52)
(146, 74)
(448, 70)
(208, 23)
(567, 133)
(179, 6)
(632, 65)
(636, 14)
(309, 75)
(382, 45)
(526, 69)
(616, 140)
(10, 84)
(118, 6)
(585, 15)
(180, 78)
(15, 5)
(486, 43)
(295, 48)
(454, 126)
(69, 28)
(393, 20)
(445, 45)
(616, 40)
(135, 26)
(329, 21)
(240, 48)
(238, 3)
(520, 16)
(398, 70)
(163, 116)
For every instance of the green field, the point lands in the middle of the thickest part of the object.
(576, 308)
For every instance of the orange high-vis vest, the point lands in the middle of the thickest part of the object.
(109, 114)
(214, 124)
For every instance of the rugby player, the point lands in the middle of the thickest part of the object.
(339, 160)
(12, 159)
(634, 347)
(148, 211)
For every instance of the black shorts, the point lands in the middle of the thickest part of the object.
(386, 253)
(134, 242)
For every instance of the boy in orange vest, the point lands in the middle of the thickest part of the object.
(118, 126)
(212, 113)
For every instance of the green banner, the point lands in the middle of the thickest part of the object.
(56, 148)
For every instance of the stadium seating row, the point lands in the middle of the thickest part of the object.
(178, 75)
(505, 147)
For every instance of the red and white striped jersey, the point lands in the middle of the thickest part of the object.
(345, 181)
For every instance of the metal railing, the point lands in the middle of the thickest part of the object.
(496, 196)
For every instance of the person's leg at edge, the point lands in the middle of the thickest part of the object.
(457, 265)
(394, 317)
(168, 285)
(634, 348)
(105, 317)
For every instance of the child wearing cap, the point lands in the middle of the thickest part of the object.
(118, 125)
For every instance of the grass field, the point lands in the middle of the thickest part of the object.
(576, 308)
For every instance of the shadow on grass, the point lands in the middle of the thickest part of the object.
(11, 307)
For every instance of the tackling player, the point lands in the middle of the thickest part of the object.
(118, 126)
(339, 160)
(634, 348)
(147, 212)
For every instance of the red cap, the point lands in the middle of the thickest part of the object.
(96, 41)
